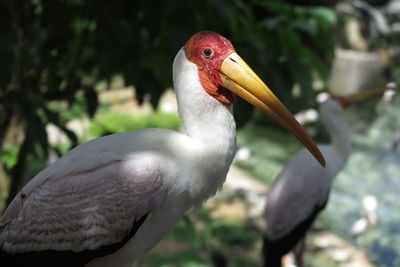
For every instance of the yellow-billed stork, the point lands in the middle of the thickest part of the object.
(110, 200)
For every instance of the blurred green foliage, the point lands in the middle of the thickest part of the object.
(198, 236)
(187, 258)
(232, 233)
(8, 155)
(269, 150)
(111, 122)
(76, 110)
(185, 231)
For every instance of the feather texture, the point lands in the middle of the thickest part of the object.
(83, 209)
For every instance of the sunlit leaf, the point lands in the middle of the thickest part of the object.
(327, 14)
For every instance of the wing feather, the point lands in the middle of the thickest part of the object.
(89, 207)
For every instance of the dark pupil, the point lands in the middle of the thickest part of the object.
(207, 52)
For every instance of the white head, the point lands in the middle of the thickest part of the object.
(331, 106)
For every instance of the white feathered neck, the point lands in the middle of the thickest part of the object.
(204, 118)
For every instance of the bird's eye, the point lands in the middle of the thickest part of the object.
(207, 52)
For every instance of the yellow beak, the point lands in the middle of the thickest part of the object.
(365, 94)
(348, 100)
(238, 77)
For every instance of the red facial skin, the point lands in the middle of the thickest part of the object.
(209, 66)
(343, 101)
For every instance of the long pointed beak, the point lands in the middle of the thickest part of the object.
(365, 94)
(238, 77)
(347, 100)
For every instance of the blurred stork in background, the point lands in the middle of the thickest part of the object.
(302, 189)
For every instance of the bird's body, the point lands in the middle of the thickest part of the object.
(127, 169)
(301, 190)
(110, 200)
(109, 192)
